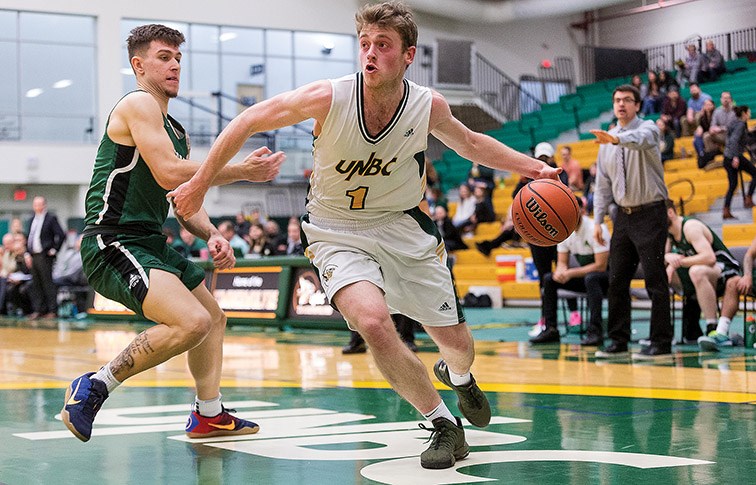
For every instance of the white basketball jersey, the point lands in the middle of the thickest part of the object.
(359, 176)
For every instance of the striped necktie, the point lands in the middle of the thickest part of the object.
(621, 176)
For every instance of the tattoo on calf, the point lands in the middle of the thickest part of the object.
(125, 360)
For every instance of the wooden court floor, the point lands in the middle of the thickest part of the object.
(559, 416)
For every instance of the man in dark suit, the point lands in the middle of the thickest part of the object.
(45, 238)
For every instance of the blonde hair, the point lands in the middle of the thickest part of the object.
(392, 15)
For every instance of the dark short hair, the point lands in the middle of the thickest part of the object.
(739, 110)
(140, 37)
(628, 88)
(670, 204)
(693, 84)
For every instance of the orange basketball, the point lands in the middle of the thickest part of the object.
(545, 212)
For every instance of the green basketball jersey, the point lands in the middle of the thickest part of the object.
(123, 192)
(725, 259)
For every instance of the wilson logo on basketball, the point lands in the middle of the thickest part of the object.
(541, 217)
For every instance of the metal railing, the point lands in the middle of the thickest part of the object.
(732, 45)
(501, 96)
(499, 91)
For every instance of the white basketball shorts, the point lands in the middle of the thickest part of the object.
(401, 253)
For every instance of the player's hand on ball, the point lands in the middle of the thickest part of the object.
(548, 172)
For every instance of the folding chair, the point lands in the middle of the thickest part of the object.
(581, 297)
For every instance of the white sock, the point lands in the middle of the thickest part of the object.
(209, 408)
(441, 411)
(105, 375)
(459, 379)
(723, 327)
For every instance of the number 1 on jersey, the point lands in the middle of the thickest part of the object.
(358, 196)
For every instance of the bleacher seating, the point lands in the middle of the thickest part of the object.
(697, 188)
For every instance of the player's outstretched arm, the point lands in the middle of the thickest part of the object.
(482, 148)
(138, 121)
(285, 109)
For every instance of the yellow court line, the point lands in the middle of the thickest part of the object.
(610, 391)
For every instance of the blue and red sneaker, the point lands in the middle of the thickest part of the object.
(84, 397)
(224, 424)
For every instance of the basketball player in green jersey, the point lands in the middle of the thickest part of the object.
(142, 155)
(377, 253)
(699, 263)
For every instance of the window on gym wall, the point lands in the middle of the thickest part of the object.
(226, 68)
(47, 88)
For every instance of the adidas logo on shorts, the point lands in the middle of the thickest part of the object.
(444, 308)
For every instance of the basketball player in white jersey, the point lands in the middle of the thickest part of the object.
(376, 252)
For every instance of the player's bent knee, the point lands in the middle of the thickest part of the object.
(196, 325)
(374, 329)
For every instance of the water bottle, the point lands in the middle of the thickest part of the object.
(750, 332)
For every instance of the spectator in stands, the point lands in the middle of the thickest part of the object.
(16, 226)
(189, 245)
(7, 265)
(714, 63)
(637, 82)
(703, 122)
(273, 233)
(653, 98)
(294, 238)
(449, 232)
(259, 245)
(45, 239)
(465, 206)
(483, 211)
(237, 243)
(589, 277)
(714, 140)
(666, 82)
(666, 142)
(691, 66)
(435, 197)
(640, 230)
(735, 160)
(480, 174)
(695, 105)
(19, 290)
(242, 225)
(590, 187)
(507, 234)
(68, 269)
(673, 111)
(572, 168)
(700, 265)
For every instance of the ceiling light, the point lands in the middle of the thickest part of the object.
(34, 92)
(63, 83)
(126, 71)
(227, 36)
